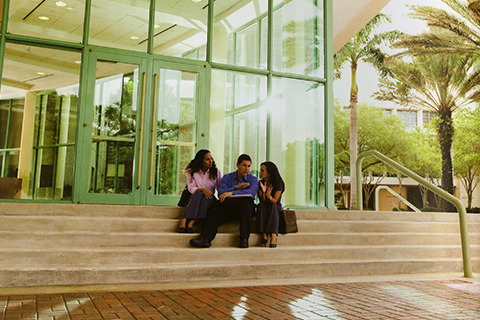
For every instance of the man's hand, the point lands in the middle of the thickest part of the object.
(225, 195)
(242, 185)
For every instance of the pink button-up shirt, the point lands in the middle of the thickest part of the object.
(202, 180)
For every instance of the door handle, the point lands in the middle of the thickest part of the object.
(141, 133)
(154, 140)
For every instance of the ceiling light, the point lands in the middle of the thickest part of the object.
(196, 0)
(134, 38)
(77, 61)
(45, 18)
(21, 78)
(60, 4)
(157, 26)
(40, 73)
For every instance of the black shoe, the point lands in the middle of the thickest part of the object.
(243, 243)
(202, 242)
(264, 242)
(182, 230)
(189, 230)
(273, 245)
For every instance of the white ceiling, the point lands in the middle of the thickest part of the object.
(349, 16)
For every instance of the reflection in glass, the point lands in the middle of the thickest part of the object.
(11, 116)
(298, 37)
(175, 129)
(113, 130)
(41, 87)
(236, 112)
(297, 139)
(126, 27)
(47, 19)
(53, 152)
(181, 28)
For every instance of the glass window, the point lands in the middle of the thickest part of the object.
(298, 37)
(58, 20)
(409, 117)
(176, 129)
(387, 112)
(428, 117)
(11, 117)
(42, 87)
(114, 126)
(181, 26)
(236, 115)
(236, 33)
(126, 27)
(297, 139)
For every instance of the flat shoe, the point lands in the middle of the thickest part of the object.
(182, 230)
(189, 230)
(243, 243)
(200, 243)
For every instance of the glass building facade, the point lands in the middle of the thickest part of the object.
(106, 101)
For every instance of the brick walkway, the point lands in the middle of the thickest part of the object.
(453, 299)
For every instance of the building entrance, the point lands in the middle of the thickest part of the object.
(139, 130)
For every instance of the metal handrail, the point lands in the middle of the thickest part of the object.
(396, 195)
(462, 212)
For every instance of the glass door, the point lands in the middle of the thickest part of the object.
(140, 130)
(176, 129)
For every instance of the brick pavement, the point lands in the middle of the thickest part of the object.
(447, 299)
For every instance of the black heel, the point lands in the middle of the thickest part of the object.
(264, 242)
(273, 245)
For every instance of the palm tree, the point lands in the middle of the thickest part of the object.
(441, 83)
(463, 26)
(365, 46)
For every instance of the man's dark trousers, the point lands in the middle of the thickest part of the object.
(232, 209)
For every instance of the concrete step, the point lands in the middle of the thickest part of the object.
(197, 271)
(101, 257)
(74, 239)
(143, 225)
(90, 210)
(65, 244)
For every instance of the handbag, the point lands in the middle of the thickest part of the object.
(184, 198)
(287, 222)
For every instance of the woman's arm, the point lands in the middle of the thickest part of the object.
(275, 197)
(192, 185)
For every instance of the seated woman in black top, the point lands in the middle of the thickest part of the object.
(270, 189)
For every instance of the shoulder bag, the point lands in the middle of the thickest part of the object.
(288, 221)
(185, 197)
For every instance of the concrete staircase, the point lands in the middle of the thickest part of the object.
(66, 244)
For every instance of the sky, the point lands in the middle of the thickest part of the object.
(367, 77)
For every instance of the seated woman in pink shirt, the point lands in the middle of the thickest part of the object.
(203, 177)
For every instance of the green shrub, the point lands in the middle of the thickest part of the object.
(431, 209)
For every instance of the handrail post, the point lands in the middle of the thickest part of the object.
(396, 195)
(462, 212)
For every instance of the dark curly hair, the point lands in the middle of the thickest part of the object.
(197, 163)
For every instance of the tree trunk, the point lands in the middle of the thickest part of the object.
(445, 134)
(353, 138)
